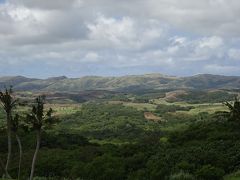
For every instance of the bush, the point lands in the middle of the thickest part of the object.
(181, 176)
(208, 172)
(233, 176)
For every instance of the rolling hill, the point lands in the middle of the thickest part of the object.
(124, 83)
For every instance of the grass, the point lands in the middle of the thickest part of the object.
(176, 126)
(109, 141)
(198, 108)
(210, 108)
(64, 109)
(141, 106)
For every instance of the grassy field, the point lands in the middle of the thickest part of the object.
(64, 109)
(198, 108)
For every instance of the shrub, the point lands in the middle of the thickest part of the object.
(181, 176)
(209, 172)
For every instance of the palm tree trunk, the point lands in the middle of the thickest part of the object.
(35, 154)
(9, 133)
(20, 155)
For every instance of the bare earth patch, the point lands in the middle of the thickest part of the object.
(172, 96)
(151, 117)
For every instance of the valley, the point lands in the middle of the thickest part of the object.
(126, 132)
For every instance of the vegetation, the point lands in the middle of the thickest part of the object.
(206, 97)
(128, 84)
(15, 127)
(110, 138)
(8, 103)
(162, 108)
(38, 119)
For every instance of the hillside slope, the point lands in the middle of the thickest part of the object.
(124, 83)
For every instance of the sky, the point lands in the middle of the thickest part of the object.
(43, 38)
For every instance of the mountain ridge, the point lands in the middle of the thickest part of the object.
(130, 82)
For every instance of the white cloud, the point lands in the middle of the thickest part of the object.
(164, 34)
(211, 42)
(45, 4)
(113, 30)
(125, 32)
(178, 40)
(234, 54)
(91, 57)
(207, 48)
(220, 69)
(206, 17)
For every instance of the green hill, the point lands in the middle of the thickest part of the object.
(124, 83)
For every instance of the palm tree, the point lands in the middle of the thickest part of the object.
(15, 127)
(8, 103)
(234, 109)
(37, 118)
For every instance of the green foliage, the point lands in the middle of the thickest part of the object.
(7, 100)
(233, 176)
(234, 110)
(206, 96)
(163, 108)
(211, 142)
(146, 95)
(209, 172)
(183, 146)
(181, 176)
(108, 121)
(106, 167)
(2, 117)
(37, 118)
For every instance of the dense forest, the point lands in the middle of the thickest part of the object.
(106, 139)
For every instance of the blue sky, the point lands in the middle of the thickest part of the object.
(42, 38)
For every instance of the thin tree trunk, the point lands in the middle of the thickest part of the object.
(35, 154)
(20, 156)
(9, 133)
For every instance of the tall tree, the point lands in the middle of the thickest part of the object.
(15, 127)
(8, 102)
(38, 118)
(234, 109)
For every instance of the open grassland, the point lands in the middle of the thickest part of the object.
(64, 109)
(210, 108)
(197, 107)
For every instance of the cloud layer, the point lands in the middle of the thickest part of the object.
(44, 38)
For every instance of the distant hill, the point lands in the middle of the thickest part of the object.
(124, 83)
(14, 80)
